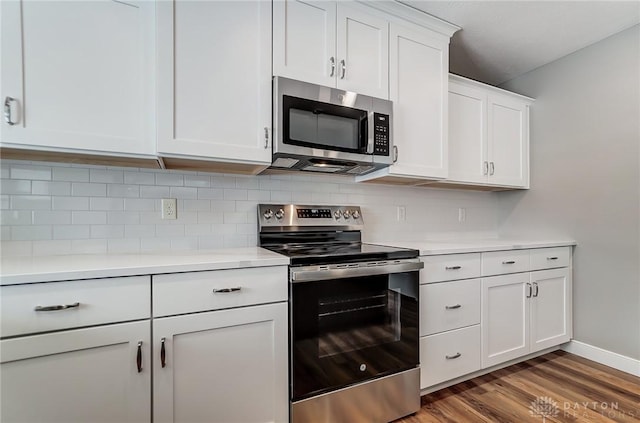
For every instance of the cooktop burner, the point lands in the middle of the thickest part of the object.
(320, 235)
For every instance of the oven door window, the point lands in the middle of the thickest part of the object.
(350, 330)
(323, 125)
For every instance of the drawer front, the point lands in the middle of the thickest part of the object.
(448, 355)
(179, 293)
(450, 267)
(449, 305)
(549, 258)
(503, 262)
(98, 301)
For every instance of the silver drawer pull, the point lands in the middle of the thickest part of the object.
(453, 307)
(452, 357)
(56, 307)
(552, 258)
(453, 267)
(509, 262)
(227, 290)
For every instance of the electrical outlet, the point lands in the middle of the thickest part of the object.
(462, 215)
(169, 208)
(401, 213)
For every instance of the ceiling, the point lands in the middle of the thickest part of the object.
(501, 40)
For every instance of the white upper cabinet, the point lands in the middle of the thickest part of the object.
(214, 81)
(488, 135)
(330, 43)
(418, 74)
(78, 76)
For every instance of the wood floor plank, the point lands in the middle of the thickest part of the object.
(560, 386)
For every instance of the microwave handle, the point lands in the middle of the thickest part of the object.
(395, 153)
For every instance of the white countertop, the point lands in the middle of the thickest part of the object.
(15, 270)
(431, 248)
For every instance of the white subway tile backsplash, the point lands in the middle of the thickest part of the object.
(89, 217)
(121, 190)
(154, 192)
(139, 178)
(170, 179)
(82, 189)
(70, 174)
(106, 175)
(51, 188)
(71, 232)
(24, 171)
(15, 186)
(31, 233)
(31, 202)
(106, 203)
(57, 208)
(70, 203)
(47, 217)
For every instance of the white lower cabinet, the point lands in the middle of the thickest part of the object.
(98, 374)
(220, 346)
(503, 313)
(524, 313)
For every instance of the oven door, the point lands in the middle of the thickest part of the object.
(352, 325)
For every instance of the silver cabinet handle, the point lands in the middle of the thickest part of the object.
(57, 307)
(453, 307)
(509, 262)
(535, 289)
(452, 357)
(343, 68)
(485, 170)
(332, 63)
(7, 110)
(227, 290)
(552, 258)
(395, 153)
(266, 137)
(492, 168)
(528, 290)
(453, 267)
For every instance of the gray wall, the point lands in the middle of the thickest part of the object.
(585, 139)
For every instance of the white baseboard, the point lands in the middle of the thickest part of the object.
(608, 358)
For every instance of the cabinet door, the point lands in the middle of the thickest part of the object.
(418, 89)
(362, 52)
(505, 318)
(508, 131)
(214, 79)
(79, 74)
(551, 321)
(222, 366)
(82, 375)
(467, 134)
(304, 41)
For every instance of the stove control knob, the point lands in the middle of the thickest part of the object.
(280, 214)
(346, 214)
(337, 214)
(355, 214)
(268, 214)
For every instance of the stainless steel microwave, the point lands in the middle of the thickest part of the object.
(323, 129)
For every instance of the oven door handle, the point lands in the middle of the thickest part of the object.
(301, 275)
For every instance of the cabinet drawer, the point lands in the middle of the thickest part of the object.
(448, 355)
(179, 293)
(449, 305)
(549, 258)
(450, 267)
(98, 301)
(502, 262)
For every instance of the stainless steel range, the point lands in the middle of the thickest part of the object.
(353, 311)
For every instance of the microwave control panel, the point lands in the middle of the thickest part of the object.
(380, 134)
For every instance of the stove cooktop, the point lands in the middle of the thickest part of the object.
(311, 254)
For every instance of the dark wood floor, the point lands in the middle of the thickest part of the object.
(558, 386)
